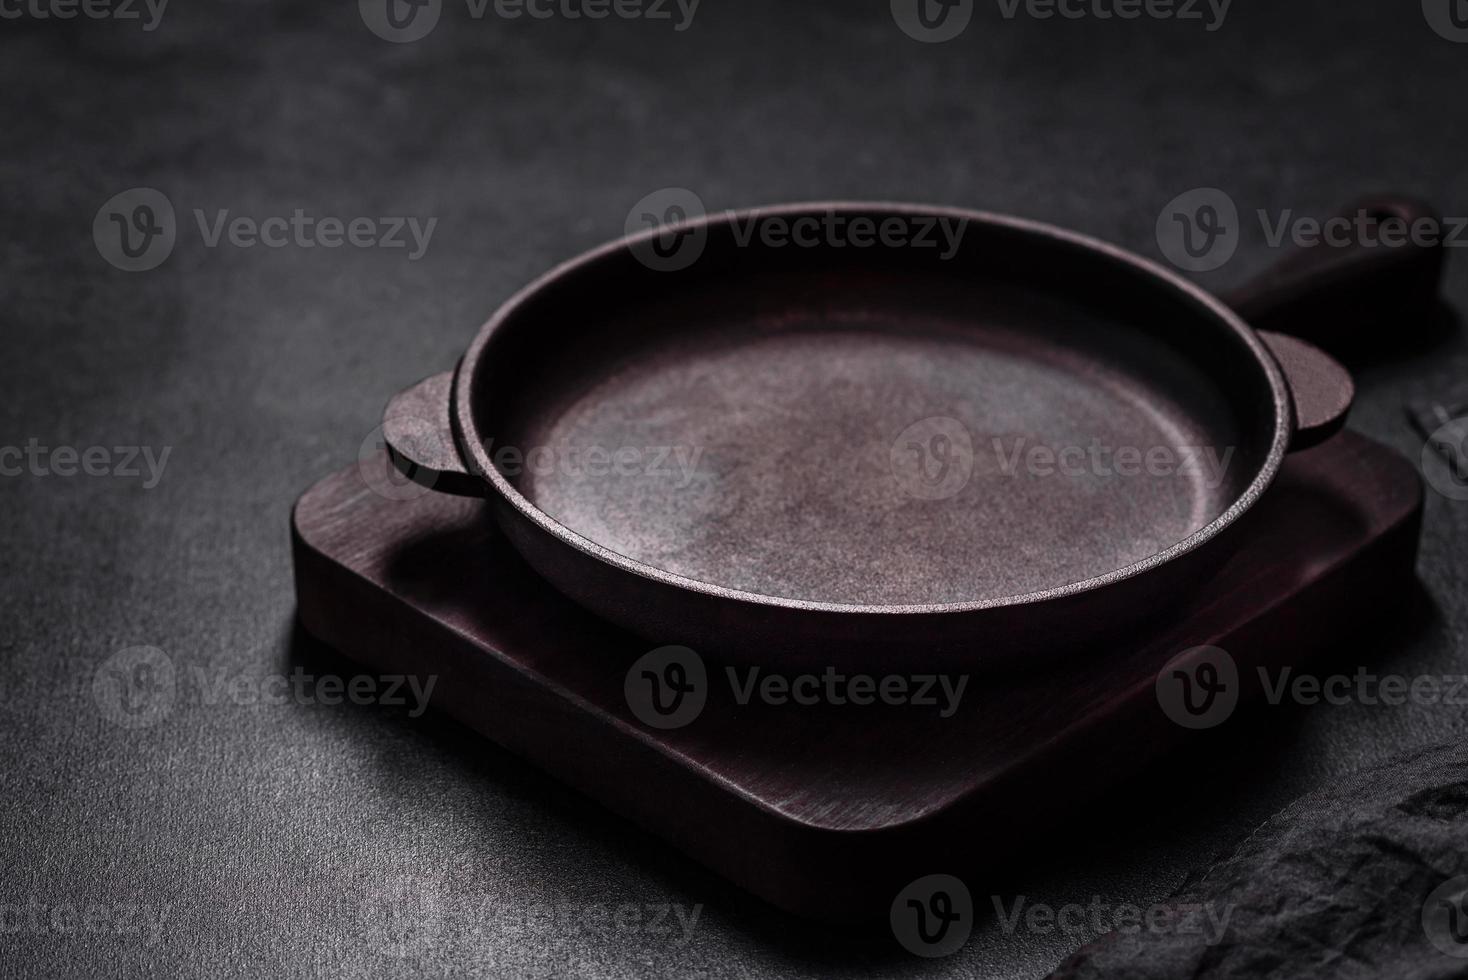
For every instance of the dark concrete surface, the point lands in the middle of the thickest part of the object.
(292, 838)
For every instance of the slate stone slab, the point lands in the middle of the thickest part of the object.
(1333, 886)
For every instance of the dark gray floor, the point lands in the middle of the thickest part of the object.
(352, 840)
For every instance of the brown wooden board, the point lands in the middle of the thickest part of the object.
(828, 810)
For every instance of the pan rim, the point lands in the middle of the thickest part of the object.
(1203, 301)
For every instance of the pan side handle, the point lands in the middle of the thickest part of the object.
(1388, 266)
(1321, 390)
(419, 432)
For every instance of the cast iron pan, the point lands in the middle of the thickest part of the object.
(882, 456)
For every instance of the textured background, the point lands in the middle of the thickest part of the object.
(355, 840)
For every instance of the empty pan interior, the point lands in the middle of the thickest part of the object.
(878, 427)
